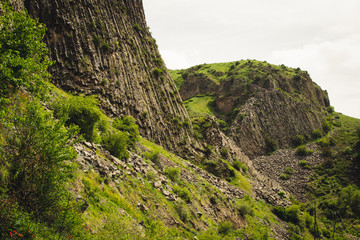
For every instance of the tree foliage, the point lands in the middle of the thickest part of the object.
(23, 55)
(81, 111)
(34, 155)
(128, 124)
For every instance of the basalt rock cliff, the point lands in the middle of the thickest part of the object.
(104, 48)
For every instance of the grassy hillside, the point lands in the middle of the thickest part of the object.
(68, 171)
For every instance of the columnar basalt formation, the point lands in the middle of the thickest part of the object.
(105, 48)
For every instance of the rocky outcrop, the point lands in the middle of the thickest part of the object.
(298, 175)
(104, 48)
(261, 102)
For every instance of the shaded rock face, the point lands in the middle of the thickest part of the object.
(198, 84)
(104, 47)
(260, 102)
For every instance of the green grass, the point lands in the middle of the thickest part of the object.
(347, 129)
(176, 75)
(199, 106)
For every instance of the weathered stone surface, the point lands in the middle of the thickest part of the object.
(273, 166)
(104, 47)
(261, 102)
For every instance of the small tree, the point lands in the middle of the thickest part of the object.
(36, 151)
(128, 124)
(116, 144)
(81, 111)
(23, 55)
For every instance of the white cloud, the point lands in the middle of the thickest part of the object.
(319, 36)
(334, 66)
(174, 60)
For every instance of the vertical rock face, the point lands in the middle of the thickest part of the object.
(104, 47)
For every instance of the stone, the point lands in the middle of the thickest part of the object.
(157, 184)
(165, 192)
(142, 207)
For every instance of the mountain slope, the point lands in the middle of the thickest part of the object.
(263, 104)
(125, 187)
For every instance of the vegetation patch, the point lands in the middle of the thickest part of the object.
(200, 106)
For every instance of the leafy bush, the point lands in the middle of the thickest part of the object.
(225, 228)
(208, 150)
(151, 176)
(244, 208)
(128, 124)
(173, 173)
(35, 155)
(220, 169)
(240, 166)
(298, 140)
(224, 151)
(326, 126)
(290, 214)
(23, 55)
(158, 72)
(81, 111)
(304, 164)
(289, 170)
(303, 151)
(347, 151)
(116, 144)
(270, 145)
(349, 201)
(316, 134)
(153, 156)
(284, 176)
(182, 211)
(183, 193)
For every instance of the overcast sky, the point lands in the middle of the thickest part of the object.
(320, 36)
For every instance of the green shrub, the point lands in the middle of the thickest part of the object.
(151, 176)
(116, 144)
(173, 173)
(303, 151)
(23, 55)
(220, 169)
(158, 72)
(323, 143)
(304, 164)
(182, 211)
(128, 124)
(225, 228)
(208, 150)
(326, 126)
(316, 134)
(298, 140)
(105, 46)
(137, 27)
(81, 111)
(240, 166)
(326, 152)
(270, 145)
(281, 194)
(284, 176)
(290, 214)
(183, 193)
(244, 208)
(347, 151)
(289, 170)
(330, 109)
(153, 156)
(35, 155)
(349, 201)
(224, 151)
